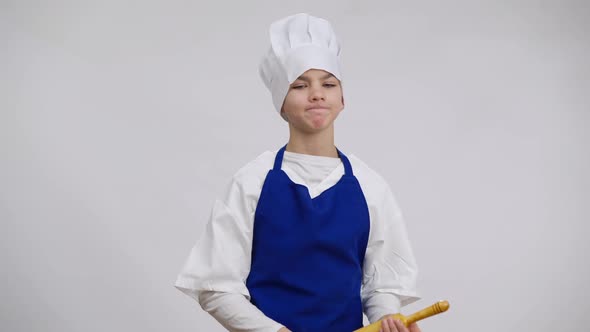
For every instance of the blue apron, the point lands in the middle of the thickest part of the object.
(307, 253)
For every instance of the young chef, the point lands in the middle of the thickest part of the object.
(305, 238)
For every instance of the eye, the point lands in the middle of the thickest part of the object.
(298, 87)
(329, 85)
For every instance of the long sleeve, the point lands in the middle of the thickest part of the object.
(236, 313)
(220, 259)
(389, 268)
(216, 270)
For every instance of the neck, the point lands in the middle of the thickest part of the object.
(316, 144)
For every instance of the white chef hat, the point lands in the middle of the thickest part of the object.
(298, 43)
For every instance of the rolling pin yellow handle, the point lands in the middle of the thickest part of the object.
(434, 309)
(437, 308)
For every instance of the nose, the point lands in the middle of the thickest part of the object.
(316, 93)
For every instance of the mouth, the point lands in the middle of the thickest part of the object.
(318, 111)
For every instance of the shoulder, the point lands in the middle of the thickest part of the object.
(253, 173)
(246, 183)
(377, 191)
(371, 181)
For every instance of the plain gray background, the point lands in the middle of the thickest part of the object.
(121, 122)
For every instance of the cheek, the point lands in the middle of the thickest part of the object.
(338, 99)
(293, 100)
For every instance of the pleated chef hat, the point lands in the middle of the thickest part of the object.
(298, 43)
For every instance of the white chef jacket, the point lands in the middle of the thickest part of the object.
(216, 270)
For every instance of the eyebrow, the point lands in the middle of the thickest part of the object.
(306, 79)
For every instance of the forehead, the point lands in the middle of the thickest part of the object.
(315, 74)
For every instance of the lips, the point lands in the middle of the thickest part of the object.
(315, 107)
(318, 110)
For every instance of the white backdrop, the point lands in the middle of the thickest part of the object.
(121, 122)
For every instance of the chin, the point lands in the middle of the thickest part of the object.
(315, 128)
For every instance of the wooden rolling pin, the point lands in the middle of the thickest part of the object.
(434, 309)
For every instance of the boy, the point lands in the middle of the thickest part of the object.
(305, 238)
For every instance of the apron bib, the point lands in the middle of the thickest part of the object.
(307, 253)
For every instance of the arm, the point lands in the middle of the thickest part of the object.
(236, 313)
(219, 263)
(389, 270)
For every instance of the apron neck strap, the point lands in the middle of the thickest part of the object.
(279, 158)
(346, 163)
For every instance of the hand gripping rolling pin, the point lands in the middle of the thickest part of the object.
(434, 309)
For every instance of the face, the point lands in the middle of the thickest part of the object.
(313, 102)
